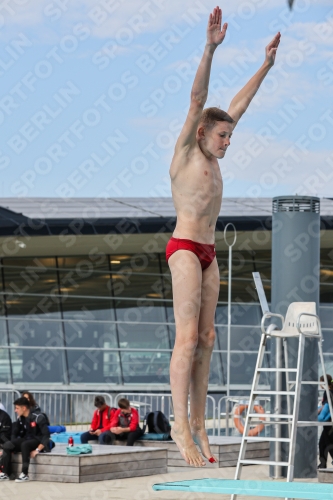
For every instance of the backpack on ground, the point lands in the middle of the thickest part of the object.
(156, 422)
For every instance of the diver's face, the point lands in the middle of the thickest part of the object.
(216, 140)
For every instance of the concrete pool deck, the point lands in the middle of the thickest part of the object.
(136, 488)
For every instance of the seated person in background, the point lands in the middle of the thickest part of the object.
(30, 436)
(125, 424)
(34, 407)
(5, 427)
(100, 423)
(326, 438)
(330, 387)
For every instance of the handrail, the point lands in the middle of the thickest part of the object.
(267, 316)
(298, 325)
(107, 321)
(108, 349)
(108, 297)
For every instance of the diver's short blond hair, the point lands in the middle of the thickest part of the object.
(212, 115)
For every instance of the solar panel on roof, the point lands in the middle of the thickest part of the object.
(47, 208)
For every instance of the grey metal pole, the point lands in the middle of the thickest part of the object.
(229, 299)
(278, 406)
(295, 278)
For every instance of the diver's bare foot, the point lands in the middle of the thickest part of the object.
(200, 437)
(181, 435)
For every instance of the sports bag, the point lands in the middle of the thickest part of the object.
(157, 423)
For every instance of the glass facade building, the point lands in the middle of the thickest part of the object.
(107, 320)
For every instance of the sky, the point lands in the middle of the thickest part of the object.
(94, 94)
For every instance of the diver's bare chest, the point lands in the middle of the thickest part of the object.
(207, 178)
(198, 176)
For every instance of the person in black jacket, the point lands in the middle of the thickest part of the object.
(30, 436)
(5, 427)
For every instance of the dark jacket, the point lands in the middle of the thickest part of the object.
(32, 427)
(324, 400)
(5, 427)
(35, 409)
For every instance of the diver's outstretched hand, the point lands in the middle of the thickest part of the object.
(272, 48)
(215, 35)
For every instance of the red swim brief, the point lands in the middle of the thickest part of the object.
(203, 251)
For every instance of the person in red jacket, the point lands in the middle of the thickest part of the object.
(125, 424)
(100, 424)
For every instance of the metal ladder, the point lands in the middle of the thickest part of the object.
(301, 321)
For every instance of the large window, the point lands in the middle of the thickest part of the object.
(108, 319)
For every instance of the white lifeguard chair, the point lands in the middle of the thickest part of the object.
(301, 321)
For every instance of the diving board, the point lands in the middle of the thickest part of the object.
(308, 491)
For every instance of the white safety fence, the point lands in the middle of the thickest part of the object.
(70, 408)
(145, 402)
(75, 409)
(7, 399)
(63, 408)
